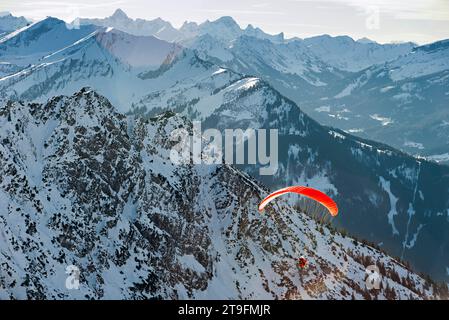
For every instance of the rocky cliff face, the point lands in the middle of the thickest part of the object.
(83, 185)
(388, 197)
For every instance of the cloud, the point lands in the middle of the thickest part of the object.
(260, 5)
(62, 9)
(249, 12)
(400, 9)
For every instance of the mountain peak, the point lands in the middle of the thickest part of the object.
(227, 21)
(104, 138)
(365, 40)
(119, 14)
(189, 26)
(435, 46)
(49, 22)
(9, 23)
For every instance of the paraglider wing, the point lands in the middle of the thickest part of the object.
(302, 262)
(314, 194)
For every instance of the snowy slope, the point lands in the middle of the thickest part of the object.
(26, 45)
(106, 59)
(309, 153)
(83, 185)
(303, 70)
(9, 23)
(402, 103)
(224, 28)
(393, 93)
(346, 54)
(423, 61)
(227, 30)
(309, 71)
(342, 52)
(137, 51)
(257, 56)
(388, 197)
(289, 67)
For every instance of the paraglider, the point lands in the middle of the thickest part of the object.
(302, 262)
(311, 193)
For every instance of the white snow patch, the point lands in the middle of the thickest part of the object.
(355, 130)
(221, 70)
(323, 109)
(337, 135)
(439, 157)
(189, 262)
(413, 144)
(386, 89)
(384, 120)
(249, 83)
(393, 201)
(412, 242)
(293, 150)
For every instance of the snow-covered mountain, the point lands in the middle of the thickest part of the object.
(224, 28)
(251, 55)
(85, 186)
(10, 23)
(139, 27)
(344, 53)
(27, 45)
(387, 197)
(106, 59)
(341, 52)
(393, 93)
(251, 31)
(393, 183)
(290, 67)
(403, 102)
(304, 70)
(137, 51)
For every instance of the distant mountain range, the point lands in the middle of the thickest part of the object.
(328, 77)
(9, 23)
(224, 28)
(230, 77)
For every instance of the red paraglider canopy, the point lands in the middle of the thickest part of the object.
(314, 194)
(302, 262)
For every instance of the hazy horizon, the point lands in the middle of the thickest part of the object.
(379, 20)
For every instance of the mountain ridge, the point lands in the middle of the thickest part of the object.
(390, 198)
(137, 227)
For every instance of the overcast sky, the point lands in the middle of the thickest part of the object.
(421, 21)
